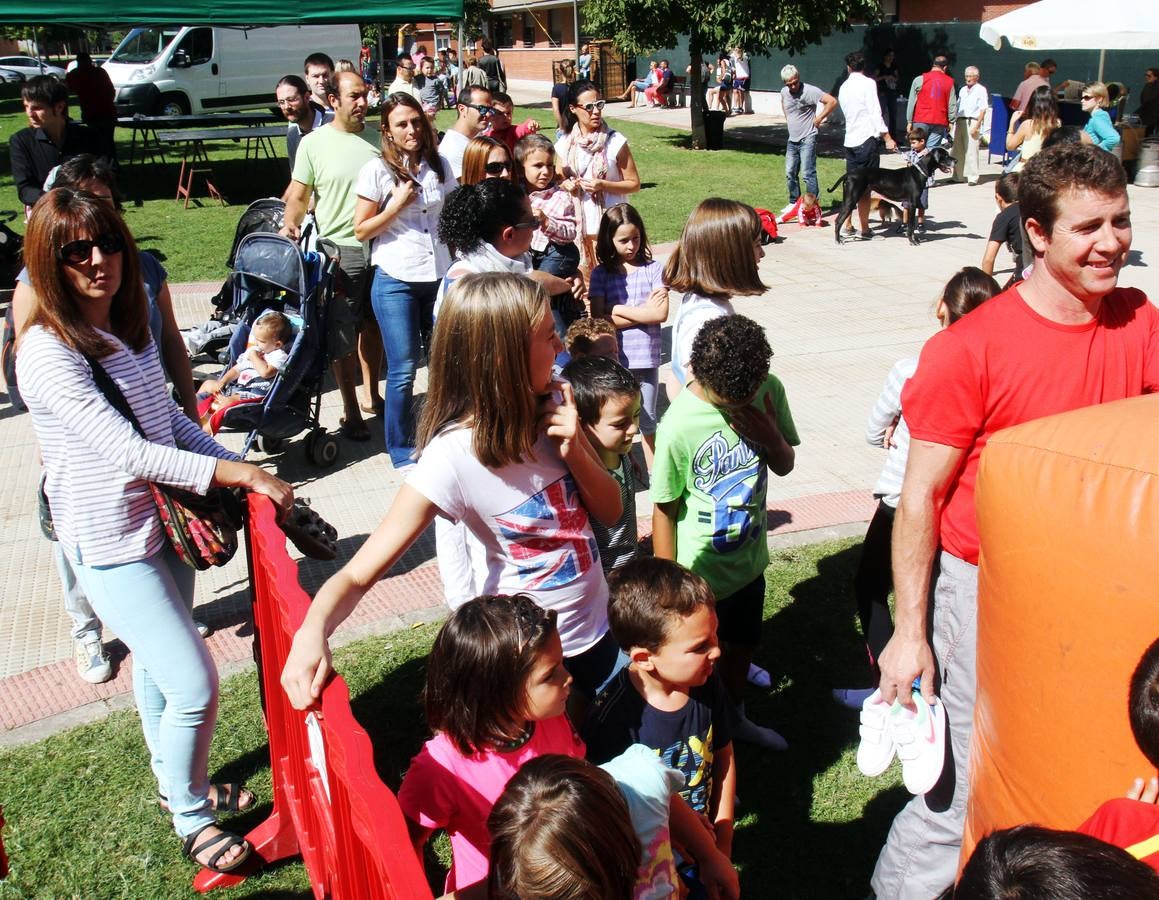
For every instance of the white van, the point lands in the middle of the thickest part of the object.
(176, 70)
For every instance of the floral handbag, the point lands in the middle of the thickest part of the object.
(202, 530)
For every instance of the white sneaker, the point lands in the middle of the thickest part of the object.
(760, 677)
(875, 752)
(91, 662)
(202, 629)
(852, 698)
(920, 737)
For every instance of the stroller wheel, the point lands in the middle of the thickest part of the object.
(322, 448)
(270, 445)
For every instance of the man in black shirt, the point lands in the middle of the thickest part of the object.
(50, 138)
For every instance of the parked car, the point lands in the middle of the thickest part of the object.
(97, 61)
(29, 66)
(11, 76)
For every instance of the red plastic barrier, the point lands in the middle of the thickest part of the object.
(329, 804)
(3, 858)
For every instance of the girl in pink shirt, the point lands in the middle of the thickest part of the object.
(495, 697)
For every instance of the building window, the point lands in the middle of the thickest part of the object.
(503, 31)
(555, 27)
(528, 30)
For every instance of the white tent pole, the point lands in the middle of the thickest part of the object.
(1102, 62)
(575, 27)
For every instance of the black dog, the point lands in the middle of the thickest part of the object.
(900, 185)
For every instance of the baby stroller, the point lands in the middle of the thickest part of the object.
(272, 272)
(212, 338)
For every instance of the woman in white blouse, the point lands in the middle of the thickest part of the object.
(400, 197)
(90, 306)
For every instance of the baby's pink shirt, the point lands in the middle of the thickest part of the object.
(444, 789)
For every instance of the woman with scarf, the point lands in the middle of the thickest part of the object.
(595, 163)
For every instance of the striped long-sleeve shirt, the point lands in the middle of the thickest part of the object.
(97, 465)
(885, 410)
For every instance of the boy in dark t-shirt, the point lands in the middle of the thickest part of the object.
(669, 697)
(1007, 227)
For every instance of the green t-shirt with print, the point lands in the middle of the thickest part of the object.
(721, 483)
(329, 160)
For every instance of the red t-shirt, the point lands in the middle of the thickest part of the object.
(1004, 364)
(1130, 824)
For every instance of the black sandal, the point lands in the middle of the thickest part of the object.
(231, 841)
(233, 791)
(309, 532)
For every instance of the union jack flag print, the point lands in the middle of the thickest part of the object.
(549, 537)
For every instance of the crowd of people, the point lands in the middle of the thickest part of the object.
(584, 695)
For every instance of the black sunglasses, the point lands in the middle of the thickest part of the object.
(480, 109)
(497, 168)
(76, 252)
(532, 224)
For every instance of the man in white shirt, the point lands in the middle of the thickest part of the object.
(864, 127)
(404, 77)
(293, 97)
(973, 105)
(474, 108)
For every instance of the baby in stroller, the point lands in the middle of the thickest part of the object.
(252, 376)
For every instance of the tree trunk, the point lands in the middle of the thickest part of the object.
(696, 88)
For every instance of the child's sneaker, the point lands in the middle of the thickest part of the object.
(852, 698)
(875, 752)
(759, 677)
(920, 738)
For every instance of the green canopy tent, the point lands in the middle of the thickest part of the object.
(225, 12)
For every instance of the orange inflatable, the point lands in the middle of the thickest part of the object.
(1068, 514)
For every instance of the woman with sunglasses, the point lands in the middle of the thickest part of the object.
(1099, 129)
(486, 157)
(89, 315)
(400, 196)
(595, 163)
(95, 175)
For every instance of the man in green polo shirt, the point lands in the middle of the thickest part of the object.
(327, 165)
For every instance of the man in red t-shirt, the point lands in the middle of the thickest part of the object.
(1066, 337)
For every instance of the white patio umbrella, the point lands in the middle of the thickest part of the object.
(1077, 25)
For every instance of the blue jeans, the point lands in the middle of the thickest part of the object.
(85, 624)
(936, 135)
(148, 603)
(799, 155)
(404, 310)
(561, 260)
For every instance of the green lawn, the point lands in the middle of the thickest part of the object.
(82, 818)
(194, 243)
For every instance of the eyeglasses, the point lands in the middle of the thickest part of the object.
(77, 252)
(482, 110)
(593, 107)
(530, 224)
(497, 168)
(406, 68)
(1088, 97)
(792, 84)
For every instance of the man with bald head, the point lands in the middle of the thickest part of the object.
(973, 107)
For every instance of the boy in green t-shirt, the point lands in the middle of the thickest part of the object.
(709, 484)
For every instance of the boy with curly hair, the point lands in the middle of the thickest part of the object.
(709, 484)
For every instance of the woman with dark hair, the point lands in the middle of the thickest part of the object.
(595, 163)
(887, 78)
(90, 320)
(1032, 129)
(400, 197)
(493, 68)
(486, 157)
(96, 176)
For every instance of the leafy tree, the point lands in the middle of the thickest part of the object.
(641, 27)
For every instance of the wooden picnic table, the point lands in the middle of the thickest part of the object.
(195, 158)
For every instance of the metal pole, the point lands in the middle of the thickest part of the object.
(1102, 62)
(575, 25)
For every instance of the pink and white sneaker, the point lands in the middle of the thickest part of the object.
(875, 752)
(920, 739)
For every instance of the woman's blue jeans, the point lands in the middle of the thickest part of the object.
(404, 310)
(148, 603)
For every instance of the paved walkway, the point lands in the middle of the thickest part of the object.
(837, 319)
